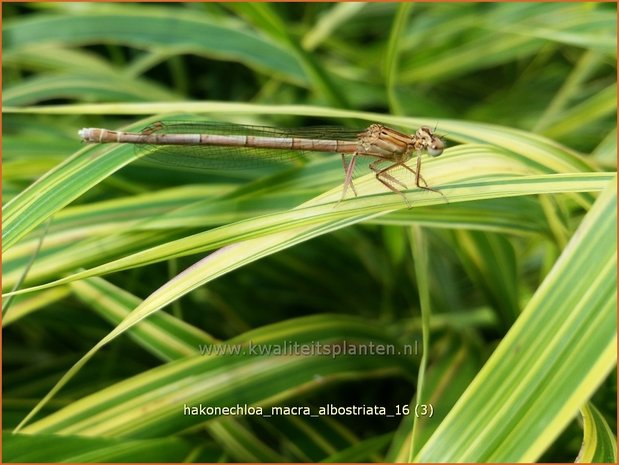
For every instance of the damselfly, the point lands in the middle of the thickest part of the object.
(224, 145)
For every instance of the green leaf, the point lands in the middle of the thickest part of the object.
(490, 261)
(551, 361)
(152, 403)
(78, 449)
(599, 444)
(148, 28)
(106, 87)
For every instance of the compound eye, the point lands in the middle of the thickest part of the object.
(436, 147)
(435, 151)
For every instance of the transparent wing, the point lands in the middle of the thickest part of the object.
(209, 157)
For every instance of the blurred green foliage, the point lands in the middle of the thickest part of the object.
(545, 68)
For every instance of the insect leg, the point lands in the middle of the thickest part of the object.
(348, 175)
(348, 170)
(419, 177)
(383, 177)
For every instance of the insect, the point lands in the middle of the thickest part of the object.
(225, 145)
